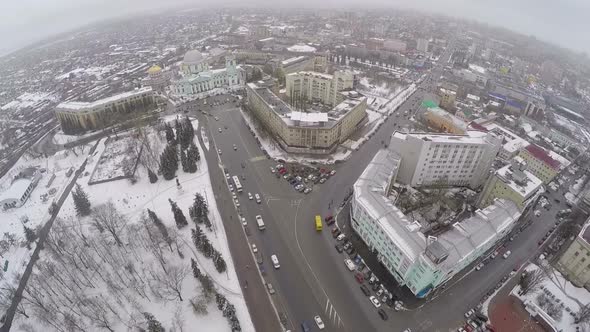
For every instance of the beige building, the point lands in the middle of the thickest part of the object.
(512, 182)
(540, 163)
(314, 86)
(75, 116)
(315, 132)
(444, 121)
(447, 98)
(574, 264)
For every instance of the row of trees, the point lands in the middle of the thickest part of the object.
(202, 243)
(189, 154)
(228, 310)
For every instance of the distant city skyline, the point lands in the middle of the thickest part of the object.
(28, 21)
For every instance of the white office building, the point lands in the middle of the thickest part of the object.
(418, 261)
(445, 159)
(422, 45)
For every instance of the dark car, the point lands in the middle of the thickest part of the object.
(382, 314)
(365, 290)
(328, 218)
(359, 277)
(305, 327)
(556, 200)
(339, 248)
(331, 221)
(336, 233)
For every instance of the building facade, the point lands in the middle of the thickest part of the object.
(198, 77)
(540, 163)
(443, 159)
(574, 264)
(314, 86)
(315, 132)
(447, 99)
(512, 182)
(420, 262)
(422, 45)
(76, 117)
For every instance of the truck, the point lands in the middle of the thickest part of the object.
(260, 222)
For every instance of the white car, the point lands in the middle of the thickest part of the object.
(244, 221)
(469, 313)
(217, 119)
(254, 248)
(231, 187)
(234, 195)
(375, 301)
(319, 322)
(258, 200)
(349, 264)
(219, 151)
(479, 266)
(537, 213)
(250, 197)
(506, 254)
(235, 147)
(219, 130)
(341, 237)
(275, 261)
(237, 202)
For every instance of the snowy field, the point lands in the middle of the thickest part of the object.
(60, 138)
(117, 159)
(99, 72)
(557, 293)
(34, 213)
(28, 99)
(115, 284)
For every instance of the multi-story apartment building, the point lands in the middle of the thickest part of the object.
(574, 264)
(447, 98)
(512, 182)
(511, 143)
(445, 159)
(317, 131)
(444, 121)
(418, 261)
(540, 163)
(76, 116)
(320, 87)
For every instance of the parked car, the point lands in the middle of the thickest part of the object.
(469, 313)
(341, 237)
(365, 290)
(359, 277)
(254, 248)
(319, 322)
(339, 248)
(506, 254)
(349, 264)
(271, 289)
(375, 301)
(382, 314)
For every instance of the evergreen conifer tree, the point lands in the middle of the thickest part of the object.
(170, 138)
(30, 235)
(81, 202)
(183, 161)
(192, 158)
(178, 129)
(153, 177)
(153, 324)
(169, 162)
(179, 217)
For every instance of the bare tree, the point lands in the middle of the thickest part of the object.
(169, 283)
(583, 315)
(531, 280)
(106, 217)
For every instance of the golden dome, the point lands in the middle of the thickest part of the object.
(154, 69)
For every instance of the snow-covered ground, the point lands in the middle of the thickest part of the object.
(60, 138)
(117, 159)
(301, 48)
(132, 200)
(29, 99)
(34, 213)
(561, 294)
(99, 72)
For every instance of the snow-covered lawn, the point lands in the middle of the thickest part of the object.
(137, 267)
(34, 213)
(560, 294)
(60, 138)
(29, 99)
(117, 159)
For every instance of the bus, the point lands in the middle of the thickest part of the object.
(237, 183)
(318, 223)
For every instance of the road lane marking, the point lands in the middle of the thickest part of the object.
(327, 304)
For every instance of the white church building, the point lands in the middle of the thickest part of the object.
(197, 77)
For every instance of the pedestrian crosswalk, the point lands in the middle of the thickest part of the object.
(333, 316)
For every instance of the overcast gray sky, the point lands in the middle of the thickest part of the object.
(563, 22)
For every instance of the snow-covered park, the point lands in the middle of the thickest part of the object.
(125, 260)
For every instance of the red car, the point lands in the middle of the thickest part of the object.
(359, 277)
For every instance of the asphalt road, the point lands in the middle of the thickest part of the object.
(312, 278)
